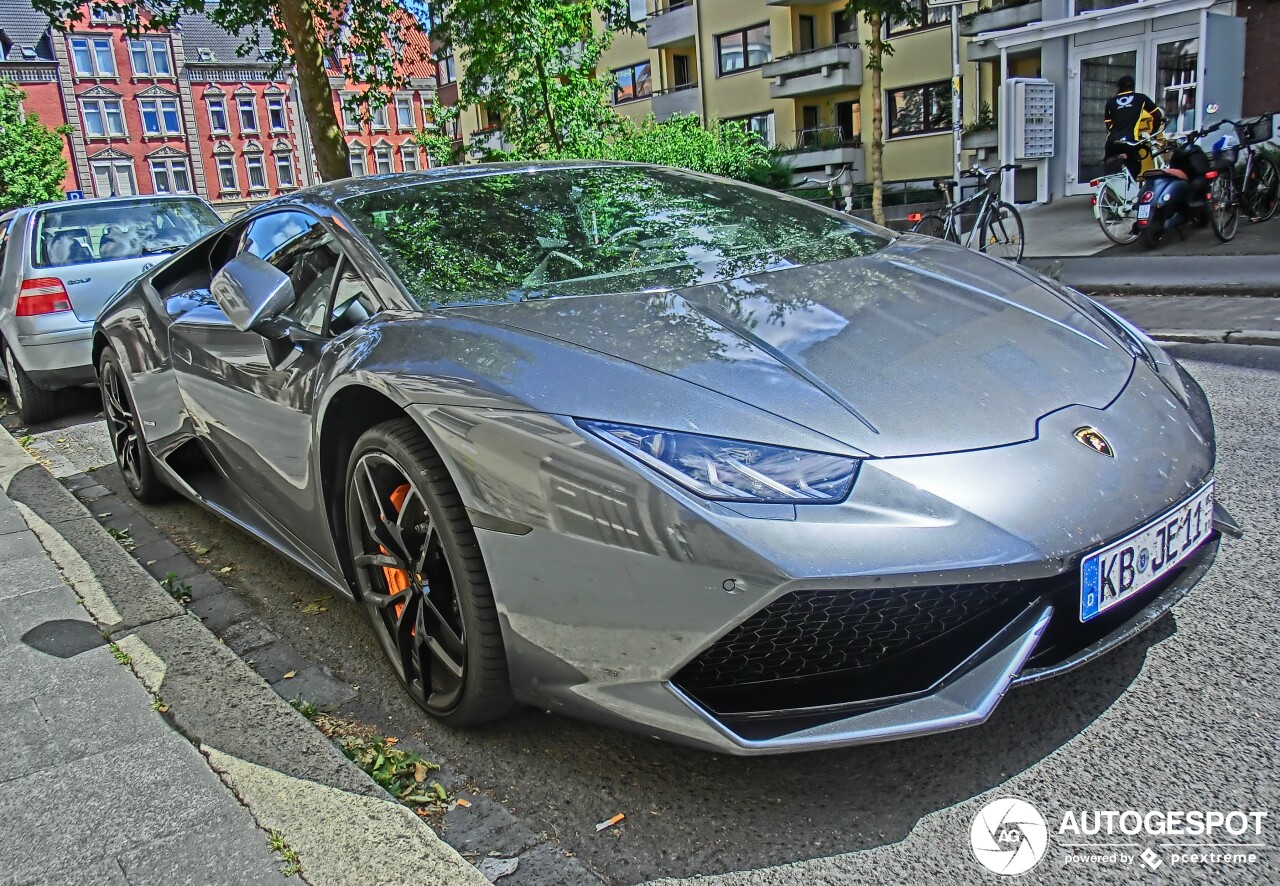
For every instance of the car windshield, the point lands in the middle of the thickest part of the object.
(94, 232)
(509, 236)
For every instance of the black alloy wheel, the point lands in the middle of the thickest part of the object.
(421, 577)
(132, 456)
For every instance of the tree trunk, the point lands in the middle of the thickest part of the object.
(299, 17)
(546, 105)
(877, 121)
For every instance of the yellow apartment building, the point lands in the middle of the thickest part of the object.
(794, 72)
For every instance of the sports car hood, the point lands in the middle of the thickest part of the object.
(917, 349)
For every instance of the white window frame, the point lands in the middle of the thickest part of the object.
(159, 107)
(404, 107)
(378, 118)
(254, 163)
(113, 170)
(383, 156)
(94, 45)
(220, 103)
(408, 153)
(358, 159)
(152, 50)
(247, 103)
(101, 105)
(227, 163)
(275, 105)
(285, 162)
(446, 71)
(350, 118)
(170, 168)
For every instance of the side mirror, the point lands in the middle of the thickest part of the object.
(250, 291)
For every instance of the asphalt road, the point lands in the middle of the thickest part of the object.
(1184, 718)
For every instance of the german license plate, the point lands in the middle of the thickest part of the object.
(1125, 567)
(1144, 211)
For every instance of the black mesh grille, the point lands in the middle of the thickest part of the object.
(835, 647)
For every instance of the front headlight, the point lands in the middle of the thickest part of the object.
(731, 470)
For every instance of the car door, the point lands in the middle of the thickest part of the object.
(251, 397)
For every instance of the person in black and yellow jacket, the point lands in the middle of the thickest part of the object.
(1130, 115)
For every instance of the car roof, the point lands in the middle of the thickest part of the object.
(335, 191)
(106, 201)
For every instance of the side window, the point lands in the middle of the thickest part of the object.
(298, 245)
(352, 300)
(4, 240)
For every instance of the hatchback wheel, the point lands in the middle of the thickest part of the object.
(420, 575)
(132, 456)
(34, 404)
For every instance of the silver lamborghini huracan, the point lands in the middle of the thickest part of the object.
(669, 452)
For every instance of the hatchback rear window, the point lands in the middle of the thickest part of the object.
(121, 229)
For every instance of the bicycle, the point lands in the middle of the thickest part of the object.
(997, 226)
(1115, 196)
(1260, 184)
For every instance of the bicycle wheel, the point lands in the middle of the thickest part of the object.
(1261, 191)
(1002, 233)
(1224, 208)
(931, 226)
(1115, 216)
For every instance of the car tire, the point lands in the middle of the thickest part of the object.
(125, 430)
(419, 572)
(35, 405)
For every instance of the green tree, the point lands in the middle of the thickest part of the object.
(533, 64)
(374, 38)
(31, 163)
(878, 14)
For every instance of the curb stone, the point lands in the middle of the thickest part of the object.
(216, 701)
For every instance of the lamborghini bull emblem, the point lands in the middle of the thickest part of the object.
(1092, 438)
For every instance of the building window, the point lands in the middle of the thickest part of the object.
(113, 178)
(1176, 69)
(378, 117)
(929, 17)
(409, 158)
(350, 113)
(918, 109)
(93, 56)
(103, 117)
(170, 177)
(445, 71)
(227, 174)
(257, 173)
(150, 57)
(382, 161)
(358, 167)
(759, 124)
(404, 113)
(248, 114)
(743, 50)
(217, 114)
(284, 170)
(632, 82)
(103, 16)
(160, 116)
(275, 114)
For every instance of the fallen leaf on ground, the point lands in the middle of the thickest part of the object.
(200, 550)
(420, 771)
(225, 569)
(464, 802)
(290, 675)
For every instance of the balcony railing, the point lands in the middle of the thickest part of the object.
(1001, 17)
(670, 24)
(825, 69)
(683, 99)
(823, 138)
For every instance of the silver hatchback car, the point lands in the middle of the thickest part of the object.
(59, 264)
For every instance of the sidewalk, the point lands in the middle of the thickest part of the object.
(91, 777)
(1202, 318)
(140, 750)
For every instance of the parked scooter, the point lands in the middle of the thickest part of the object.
(1179, 194)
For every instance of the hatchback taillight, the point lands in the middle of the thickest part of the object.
(43, 295)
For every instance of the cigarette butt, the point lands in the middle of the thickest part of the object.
(610, 823)
(464, 803)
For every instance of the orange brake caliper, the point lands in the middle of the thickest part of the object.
(397, 579)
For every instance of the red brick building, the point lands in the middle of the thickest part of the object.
(1261, 55)
(181, 111)
(382, 140)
